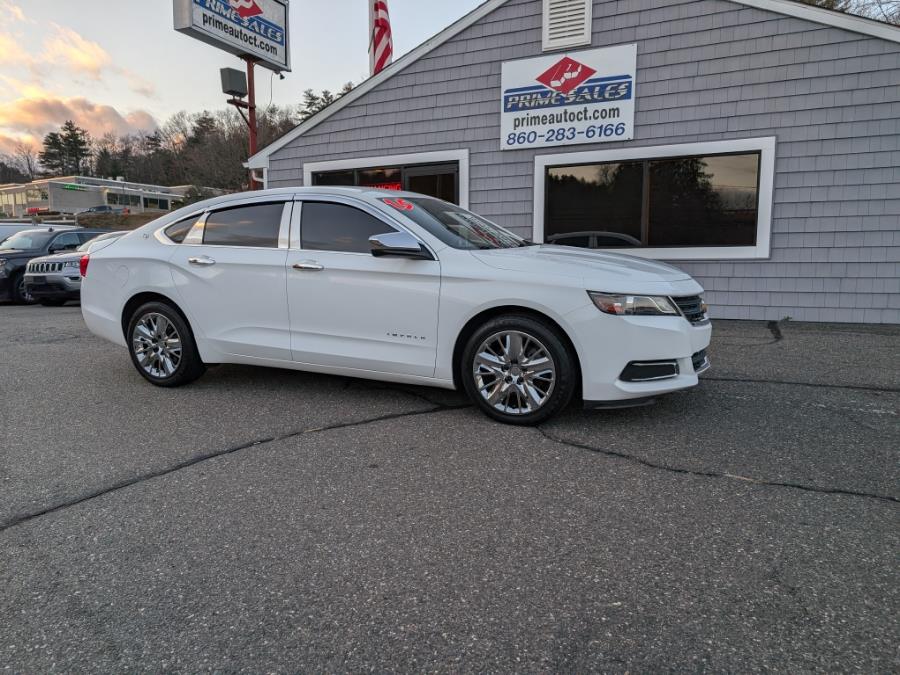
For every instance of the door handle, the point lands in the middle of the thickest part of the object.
(309, 266)
(202, 260)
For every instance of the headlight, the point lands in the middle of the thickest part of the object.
(645, 305)
(71, 263)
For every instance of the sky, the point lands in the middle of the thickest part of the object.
(119, 66)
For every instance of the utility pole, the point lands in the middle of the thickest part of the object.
(236, 90)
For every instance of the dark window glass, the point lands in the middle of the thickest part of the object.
(334, 178)
(454, 225)
(704, 201)
(596, 199)
(336, 227)
(684, 201)
(69, 240)
(255, 225)
(439, 185)
(388, 179)
(178, 231)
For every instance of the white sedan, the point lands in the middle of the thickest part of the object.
(399, 287)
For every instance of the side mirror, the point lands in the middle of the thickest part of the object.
(400, 244)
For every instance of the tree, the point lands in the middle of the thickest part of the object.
(26, 158)
(313, 102)
(53, 156)
(77, 144)
(10, 172)
(66, 151)
(887, 11)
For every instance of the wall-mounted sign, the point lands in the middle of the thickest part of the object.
(254, 28)
(566, 99)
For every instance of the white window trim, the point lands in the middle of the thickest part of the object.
(549, 45)
(766, 146)
(459, 156)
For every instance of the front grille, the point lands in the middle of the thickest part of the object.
(44, 267)
(692, 308)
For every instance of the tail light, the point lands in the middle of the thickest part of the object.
(82, 267)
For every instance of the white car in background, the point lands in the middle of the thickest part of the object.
(399, 287)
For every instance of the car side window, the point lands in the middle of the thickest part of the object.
(68, 240)
(179, 230)
(256, 225)
(327, 226)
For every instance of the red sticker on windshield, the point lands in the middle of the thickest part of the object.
(399, 204)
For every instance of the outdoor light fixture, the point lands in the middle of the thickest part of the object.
(234, 82)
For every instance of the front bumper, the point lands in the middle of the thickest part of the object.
(607, 344)
(53, 286)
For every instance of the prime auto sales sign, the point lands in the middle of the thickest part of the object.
(566, 99)
(254, 28)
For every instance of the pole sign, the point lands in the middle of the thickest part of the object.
(253, 28)
(567, 99)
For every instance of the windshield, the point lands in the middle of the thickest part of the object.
(455, 226)
(26, 241)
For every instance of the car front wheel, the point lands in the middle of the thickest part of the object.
(518, 370)
(162, 346)
(21, 296)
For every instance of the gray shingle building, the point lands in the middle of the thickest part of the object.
(755, 144)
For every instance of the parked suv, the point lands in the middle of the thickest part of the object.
(17, 250)
(54, 279)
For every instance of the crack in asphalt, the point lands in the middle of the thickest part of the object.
(712, 474)
(436, 407)
(197, 459)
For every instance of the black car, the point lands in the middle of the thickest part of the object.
(17, 250)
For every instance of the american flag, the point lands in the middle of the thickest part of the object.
(381, 46)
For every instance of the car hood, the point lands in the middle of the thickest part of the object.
(600, 269)
(18, 253)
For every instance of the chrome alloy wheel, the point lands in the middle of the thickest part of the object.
(514, 372)
(156, 345)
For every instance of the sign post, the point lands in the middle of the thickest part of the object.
(254, 30)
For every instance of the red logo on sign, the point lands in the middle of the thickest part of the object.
(399, 204)
(246, 8)
(565, 75)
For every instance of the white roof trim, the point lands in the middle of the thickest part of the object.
(787, 7)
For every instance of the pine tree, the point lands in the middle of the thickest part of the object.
(77, 146)
(53, 156)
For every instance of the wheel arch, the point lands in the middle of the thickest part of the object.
(491, 312)
(139, 299)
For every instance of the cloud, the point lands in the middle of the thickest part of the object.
(40, 115)
(13, 12)
(67, 48)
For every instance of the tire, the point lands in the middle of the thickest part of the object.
(20, 294)
(162, 346)
(52, 302)
(493, 377)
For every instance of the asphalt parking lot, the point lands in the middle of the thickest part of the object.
(264, 520)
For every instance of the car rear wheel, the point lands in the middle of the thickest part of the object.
(162, 346)
(518, 370)
(21, 296)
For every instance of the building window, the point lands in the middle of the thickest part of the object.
(660, 202)
(683, 201)
(567, 23)
(434, 180)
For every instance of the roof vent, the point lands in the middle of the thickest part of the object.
(567, 23)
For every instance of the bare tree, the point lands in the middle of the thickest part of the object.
(887, 11)
(26, 157)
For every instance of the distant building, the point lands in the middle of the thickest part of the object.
(72, 194)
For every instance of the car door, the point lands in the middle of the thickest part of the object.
(230, 272)
(351, 309)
